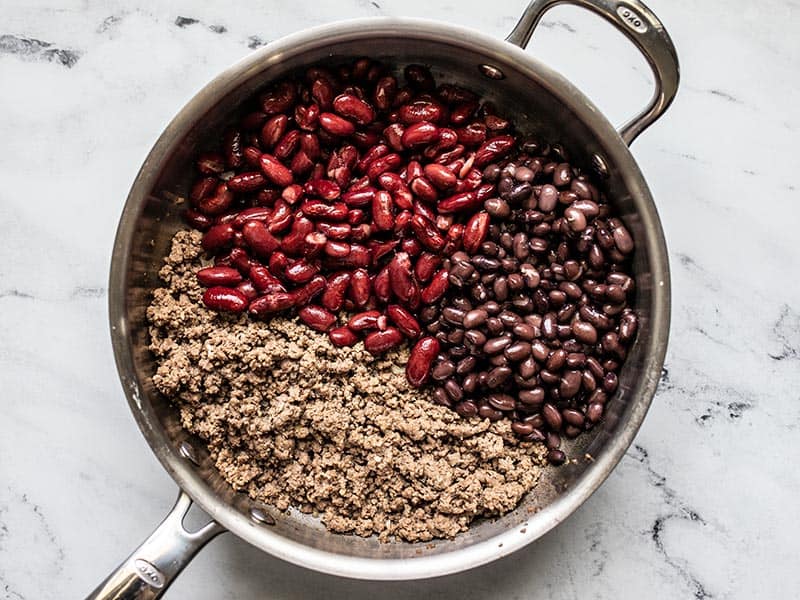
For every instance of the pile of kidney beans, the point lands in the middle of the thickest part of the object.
(414, 212)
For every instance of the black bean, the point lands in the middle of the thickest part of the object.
(627, 327)
(456, 336)
(520, 192)
(453, 390)
(540, 351)
(598, 396)
(556, 360)
(487, 412)
(475, 337)
(498, 360)
(458, 351)
(556, 457)
(504, 186)
(570, 384)
(470, 383)
(502, 402)
(467, 408)
(518, 351)
(572, 432)
(532, 397)
(479, 293)
(498, 376)
(588, 381)
(440, 397)
(500, 289)
(492, 173)
(528, 368)
(594, 412)
(524, 331)
(442, 370)
(610, 382)
(530, 274)
(497, 344)
(575, 360)
(489, 248)
(549, 326)
(494, 325)
(549, 377)
(552, 416)
(453, 315)
(522, 429)
(595, 367)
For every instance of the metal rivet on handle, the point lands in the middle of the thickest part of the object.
(259, 515)
(599, 165)
(187, 451)
(491, 72)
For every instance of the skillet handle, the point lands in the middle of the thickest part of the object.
(639, 25)
(148, 572)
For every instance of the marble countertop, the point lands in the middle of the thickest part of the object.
(704, 503)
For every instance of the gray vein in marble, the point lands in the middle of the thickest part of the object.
(719, 400)
(33, 49)
(678, 510)
(725, 96)
(184, 22)
(786, 331)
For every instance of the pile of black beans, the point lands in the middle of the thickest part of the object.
(536, 322)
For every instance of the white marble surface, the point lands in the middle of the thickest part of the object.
(704, 504)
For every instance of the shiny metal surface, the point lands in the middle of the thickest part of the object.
(555, 110)
(148, 571)
(636, 22)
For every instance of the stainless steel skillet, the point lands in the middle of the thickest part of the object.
(539, 100)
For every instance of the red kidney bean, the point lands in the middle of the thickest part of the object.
(301, 164)
(426, 233)
(317, 209)
(359, 257)
(404, 320)
(316, 317)
(259, 239)
(275, 170)
(217, 203)
(360, 288)
(436, 288)
(334, 294)
(463, 111)
(335, 231)
(379, 342)
(202, 188)
(225, 299)
(337, 249)
(211, 163)
(342, 336)
(303, 295)
(440, 176)
(217, 237)
(264, 281)
(360, 197)
(390, 162)
(419, 362)
(196, 219)
(271, 303)
(420, 110)
(218, 276)
(322, 188)
(465, 201)
(385, 90)
(280, 99)
(382, 285)
(493, 149)
(273, 130)
(475, 232)
(472, 135)
(423, 189)
(322, 92)
(426, 266)
(336, 125)
(382, 211)
(394, 136)
(401, 277)
(419, 134)
(353, 107)
(364, 320)
(307, 117)
(232, 149)
(256, 213)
